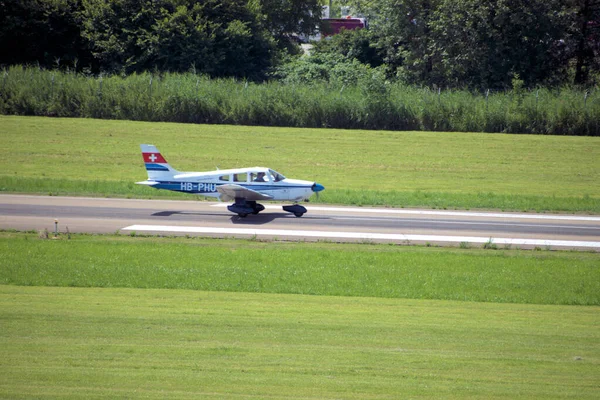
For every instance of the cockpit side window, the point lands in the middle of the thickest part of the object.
(259, 177)
(242, 177)
(224, 178)
(276, 176)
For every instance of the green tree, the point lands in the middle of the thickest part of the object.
(41, 31)
(484, 44)
(118, 32)
(330, 68)
(404, 38)
(584, 37)
(216, 37)
(286, 18)
(358, 44)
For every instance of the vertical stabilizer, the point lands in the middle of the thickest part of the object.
(157, 167)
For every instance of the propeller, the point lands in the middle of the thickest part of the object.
(316, 187)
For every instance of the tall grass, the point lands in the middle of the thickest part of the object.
(196, 99)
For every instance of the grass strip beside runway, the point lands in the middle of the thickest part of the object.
(401, 169)
(387, 271)
(74, 343)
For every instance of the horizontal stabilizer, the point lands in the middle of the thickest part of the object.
(147, 183)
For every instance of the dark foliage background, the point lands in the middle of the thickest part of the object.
(475, 44)
(519, 66)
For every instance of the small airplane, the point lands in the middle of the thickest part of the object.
(243, 186)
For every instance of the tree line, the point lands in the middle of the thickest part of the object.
(480, 44)
(475, 44)
(239, 38)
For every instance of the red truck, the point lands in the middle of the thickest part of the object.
(333, 26)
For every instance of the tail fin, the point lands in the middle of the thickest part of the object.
(157, 167)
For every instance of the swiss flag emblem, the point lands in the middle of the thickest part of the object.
(153, 158)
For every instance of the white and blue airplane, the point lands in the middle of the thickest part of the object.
(243, 186)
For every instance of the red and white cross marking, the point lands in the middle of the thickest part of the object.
(154, 157)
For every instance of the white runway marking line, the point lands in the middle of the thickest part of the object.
(452, 222)
(444, 213)
(361, 236)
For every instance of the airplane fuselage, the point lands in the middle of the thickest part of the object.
(206, 183)
(243, 186)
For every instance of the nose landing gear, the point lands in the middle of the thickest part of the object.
(295, 209)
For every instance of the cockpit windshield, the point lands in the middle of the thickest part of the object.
(276, 176)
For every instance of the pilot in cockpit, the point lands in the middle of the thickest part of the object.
(260, 177)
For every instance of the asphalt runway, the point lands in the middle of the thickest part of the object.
(339, 224)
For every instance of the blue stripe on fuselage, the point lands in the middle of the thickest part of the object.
(201, 187)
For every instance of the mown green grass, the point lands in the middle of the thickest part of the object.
(71, 343)
(505, 276)
(376, 334)
(442, 170)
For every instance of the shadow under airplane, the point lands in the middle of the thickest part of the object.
(260, 219)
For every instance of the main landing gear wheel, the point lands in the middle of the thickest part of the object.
(244, 208)
(298, 214)
(256, 207)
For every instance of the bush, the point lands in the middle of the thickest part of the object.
(343, 98)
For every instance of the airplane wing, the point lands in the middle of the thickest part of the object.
(230, 192)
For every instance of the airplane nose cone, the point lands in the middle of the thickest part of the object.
(317, 187)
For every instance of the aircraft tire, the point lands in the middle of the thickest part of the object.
(256, 208)
(243, 215)
(298, 214)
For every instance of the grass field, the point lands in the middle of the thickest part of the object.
(375, 335)
(402, 169)
(542, 277)
(73, 343)
(112, 317)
